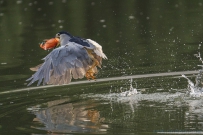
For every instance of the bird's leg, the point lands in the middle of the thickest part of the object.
(90, 73)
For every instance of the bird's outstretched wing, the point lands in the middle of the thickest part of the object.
(62, 64)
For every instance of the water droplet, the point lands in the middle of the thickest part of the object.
(51, 3)
(19, 1)
(63, 1)
(92, 3)
(60, 21)
(176, 5)
(131, 17)
(102, 21)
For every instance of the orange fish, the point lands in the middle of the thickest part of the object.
(49, 43)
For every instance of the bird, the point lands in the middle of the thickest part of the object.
(71, 57)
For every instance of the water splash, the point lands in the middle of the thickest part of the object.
(193, 89)
(133, 96)
(130, 92)
(196, 90)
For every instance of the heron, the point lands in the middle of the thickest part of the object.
(72, 57)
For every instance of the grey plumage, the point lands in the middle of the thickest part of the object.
(62, 64)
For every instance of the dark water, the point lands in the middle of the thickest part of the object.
(138, 37)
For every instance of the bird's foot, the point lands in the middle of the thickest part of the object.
(90, 75)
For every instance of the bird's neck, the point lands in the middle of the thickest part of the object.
(64, 40)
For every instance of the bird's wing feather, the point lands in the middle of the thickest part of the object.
(62, 64)
(89, 44)
(80, 41)
(36, 67)
(97, 48)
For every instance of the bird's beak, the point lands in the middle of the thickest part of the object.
(57, 36)
(50, 43)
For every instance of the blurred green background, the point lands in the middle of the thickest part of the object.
(137, 36)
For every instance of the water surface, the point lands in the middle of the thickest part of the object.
(138, 37)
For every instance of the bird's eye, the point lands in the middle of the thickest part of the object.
(58, 35)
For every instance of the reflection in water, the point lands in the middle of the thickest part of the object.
(194, 116)
(59, 116)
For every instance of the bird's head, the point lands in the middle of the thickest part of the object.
(63, 34)
(63, 37)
